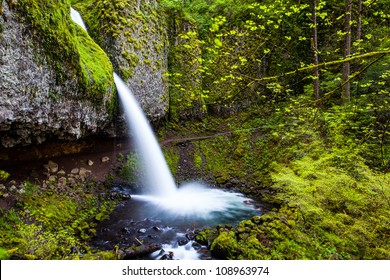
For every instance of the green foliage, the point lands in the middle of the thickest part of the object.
(129, 167)
(225, 245)
(3, 254)
(52, 224)
(4, 175)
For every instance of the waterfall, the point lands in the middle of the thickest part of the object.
(162, 197)
(157, 177)
(76, 17)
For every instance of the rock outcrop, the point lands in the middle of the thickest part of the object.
(55, 82)
(134, 35)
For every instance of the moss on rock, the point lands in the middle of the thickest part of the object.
(71, 52)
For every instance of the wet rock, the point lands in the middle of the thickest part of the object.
(105, 159)
(125, 230)
(168, 256)
(182, 242)
(196, 245)
(190, 235)
(141, 250)
(204, 254)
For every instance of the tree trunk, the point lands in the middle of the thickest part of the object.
(316, 81)
(359, 20)
(346, 90)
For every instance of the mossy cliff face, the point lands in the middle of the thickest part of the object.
(135, 39)
(55, 81)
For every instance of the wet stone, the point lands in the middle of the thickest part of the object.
(196, 245)
(182, 241)
(190, 235)
(168, 256)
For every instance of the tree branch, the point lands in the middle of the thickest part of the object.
(324, 64)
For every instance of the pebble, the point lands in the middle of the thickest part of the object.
(61, 172)
(51, 166)
(75, 171)
(52, 178)
(84, 172)
(105, 159)
(21, 191)
(90, 162)
(182, 242)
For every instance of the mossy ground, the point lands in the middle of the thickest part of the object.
(52, 222)
(323, 169)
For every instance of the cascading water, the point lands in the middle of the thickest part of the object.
(191, 200)
(163, 202)
(76, 17)
(156, 177)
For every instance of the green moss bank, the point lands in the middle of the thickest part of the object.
(54, 220)
(70, 51)
(323, 170)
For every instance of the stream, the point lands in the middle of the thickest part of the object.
(142, 221)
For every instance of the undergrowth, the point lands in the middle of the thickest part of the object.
(52, 223)
(324, 169)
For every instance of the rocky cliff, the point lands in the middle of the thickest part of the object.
(55, 82)
(134, 35)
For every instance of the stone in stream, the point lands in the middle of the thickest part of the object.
(190, 235)
(168, 256)
(182, 242)
(141, 250)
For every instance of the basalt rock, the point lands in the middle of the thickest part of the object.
(55, 82)
(134, 35)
